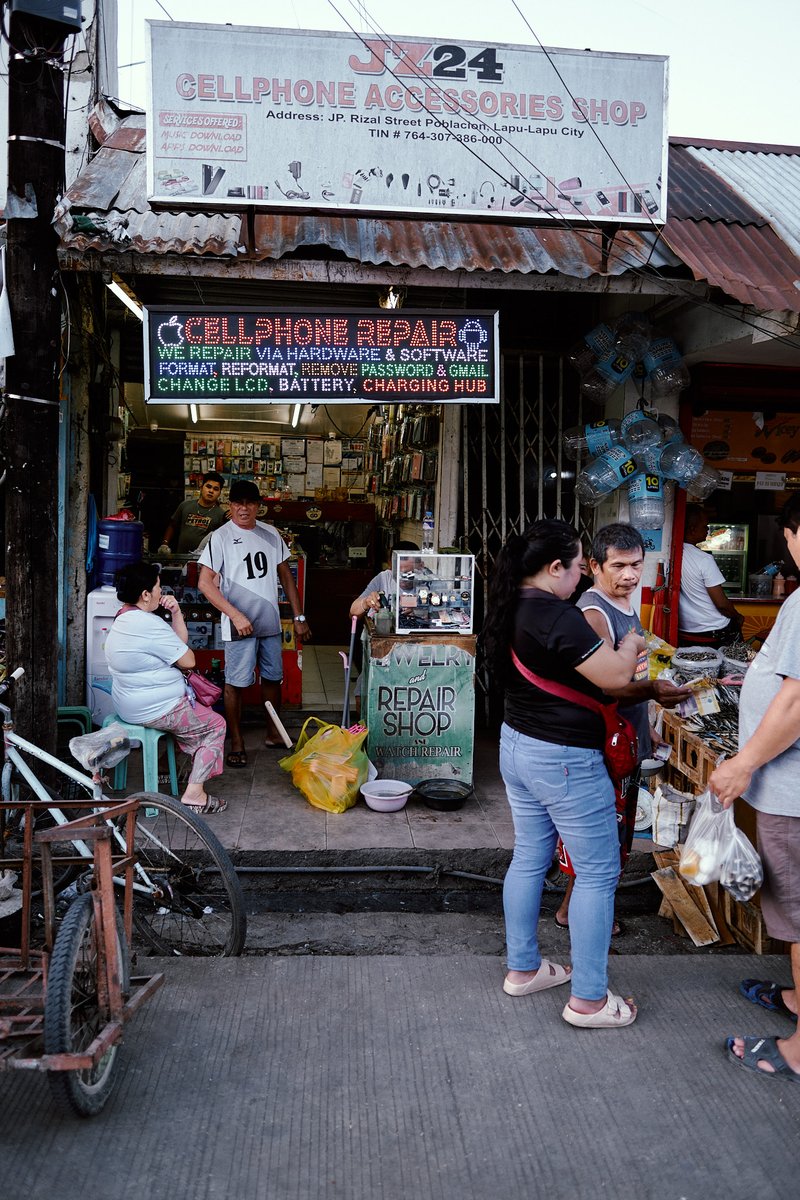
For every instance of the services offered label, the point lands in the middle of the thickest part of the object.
(227, 355)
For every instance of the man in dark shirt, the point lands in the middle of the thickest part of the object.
(616, 564)
(194, 519)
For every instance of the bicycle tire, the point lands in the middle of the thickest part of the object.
(72, 1017)
(62, 877)
(197, 908)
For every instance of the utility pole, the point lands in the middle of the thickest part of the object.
(35, 179)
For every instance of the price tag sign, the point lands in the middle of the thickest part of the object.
(770, 481)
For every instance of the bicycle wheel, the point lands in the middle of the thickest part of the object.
(187, 899)
(72, 1017)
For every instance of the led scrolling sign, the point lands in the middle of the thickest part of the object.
(273, 356)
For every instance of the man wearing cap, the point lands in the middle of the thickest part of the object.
(240, 569)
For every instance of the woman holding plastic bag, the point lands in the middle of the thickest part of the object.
(551, 760)
(766, 772)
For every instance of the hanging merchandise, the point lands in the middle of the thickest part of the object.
(611, 354)
(666, 370)
(640, 432)
(670, 428)
(646, 501)
(633, 334)
(601, 476)
(603, 379)
(596, 344)
(591, 439)
(652, 444)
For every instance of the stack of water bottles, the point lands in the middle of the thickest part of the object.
(609, 355)
(642, 450)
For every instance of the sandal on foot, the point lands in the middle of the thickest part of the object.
(615, 1014)
(236, 758)
(549, 975)
(768, 995)
(213, 804)
(762, 1049)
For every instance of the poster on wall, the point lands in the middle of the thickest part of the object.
(315, 120)
(748, 441)
(268, 356)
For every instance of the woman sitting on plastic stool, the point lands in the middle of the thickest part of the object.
(144, 654)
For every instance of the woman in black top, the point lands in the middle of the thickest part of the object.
(552, 765)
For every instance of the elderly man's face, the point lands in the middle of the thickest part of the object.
(619, 575)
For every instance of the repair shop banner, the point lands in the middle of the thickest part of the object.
(419, 707)
(303, 356)
(313, 120)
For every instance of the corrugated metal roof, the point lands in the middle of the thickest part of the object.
(696, 193)
(455, 246)
(769, 180)
(734, 220)
(748, 262)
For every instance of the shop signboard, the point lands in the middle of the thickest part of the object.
(309, 356)
(444, 128)
(748, 441)
(420, 709)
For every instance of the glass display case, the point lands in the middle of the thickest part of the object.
(728, 545)
(432, 592)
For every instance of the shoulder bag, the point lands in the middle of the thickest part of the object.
(621, 746)
(205, 690)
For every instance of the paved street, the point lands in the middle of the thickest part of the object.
(389, 1077)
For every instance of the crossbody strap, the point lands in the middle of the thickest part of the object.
(558, 689)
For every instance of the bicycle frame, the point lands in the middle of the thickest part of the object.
(13, 743)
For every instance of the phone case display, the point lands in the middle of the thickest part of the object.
(728, 545)
(433, 592)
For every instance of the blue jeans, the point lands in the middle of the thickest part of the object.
(562, 790)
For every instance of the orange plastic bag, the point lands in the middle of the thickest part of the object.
(328, 765)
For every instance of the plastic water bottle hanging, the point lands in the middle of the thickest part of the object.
(591, 439)
(605, 473)
(646, 501)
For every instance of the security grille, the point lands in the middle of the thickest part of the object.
(514, 466)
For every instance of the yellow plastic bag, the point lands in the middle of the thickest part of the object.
(328, 765)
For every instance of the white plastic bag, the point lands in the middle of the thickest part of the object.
(710, 840)
(742, 873)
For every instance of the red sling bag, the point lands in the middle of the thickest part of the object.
(621, 747)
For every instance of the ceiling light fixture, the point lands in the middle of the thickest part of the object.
(296, 415)
(127, 300)
(193, 413)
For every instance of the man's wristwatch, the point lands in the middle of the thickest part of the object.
(301, 618)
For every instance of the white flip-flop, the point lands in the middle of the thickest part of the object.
(615, 1014)
(540, 982)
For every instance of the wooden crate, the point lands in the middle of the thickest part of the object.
(746, 922)
(695, 759)
(671, 732)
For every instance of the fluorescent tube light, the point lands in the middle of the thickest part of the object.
(127, 300)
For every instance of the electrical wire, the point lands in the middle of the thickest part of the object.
(628, 261)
